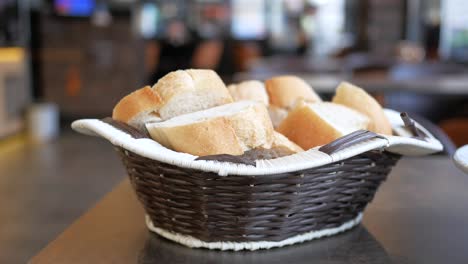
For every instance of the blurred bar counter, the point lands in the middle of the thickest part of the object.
(435, 90)
(374, 75)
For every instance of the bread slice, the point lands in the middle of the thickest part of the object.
(358, 99)
(228, 129)
(282, 142)
(249, 90)
(176, 93)
(187, 91)
(281, 147)
(138, 108)
(310, 125)
(277, 115)
(285, 91)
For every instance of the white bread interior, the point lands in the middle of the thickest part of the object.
(310, 125)
(249, 90)
(281, 147)
(227, 129)
(277, 114)
(186, 91)
(358, 99)
(138, 108)
(280, 141)
(284, 91)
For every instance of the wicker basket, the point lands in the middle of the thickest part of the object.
(231, 206)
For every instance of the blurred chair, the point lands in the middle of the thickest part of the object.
(437, 132)
(367, 66)
(457, 129)
(415, 71)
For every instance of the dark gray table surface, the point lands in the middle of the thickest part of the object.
(419, 215)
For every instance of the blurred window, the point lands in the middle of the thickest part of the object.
(147, 20)
(454, 30)
(248, 19)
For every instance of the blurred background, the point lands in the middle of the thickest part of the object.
(83, 56)
(66, 59)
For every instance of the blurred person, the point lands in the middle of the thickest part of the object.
(8, 22)
(172, 51)
(210, 48)
(181, 48)
(307, 29)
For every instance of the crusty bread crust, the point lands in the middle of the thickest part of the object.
(206, 133)
(173, 83)
(284, 91)
(186, 91)
(143, 100)
(177, 93)
(308, 127)
(202, 120)
(249, 90)
(211, 137)
(359, 100)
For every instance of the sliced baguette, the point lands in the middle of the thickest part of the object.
(249, 90)
(138, 108)
(285, 91)
(359, 100)
(187, 91)
(228, 129)
(310, 125)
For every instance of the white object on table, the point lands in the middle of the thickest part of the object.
(43, 122)
(461, 158)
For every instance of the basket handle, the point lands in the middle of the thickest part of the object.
(411, 126)
(132, 131)
(348, 140)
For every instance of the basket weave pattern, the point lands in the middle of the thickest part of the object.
(242, 208)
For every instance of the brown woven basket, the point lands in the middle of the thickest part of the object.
(260, 203)
(240, 208)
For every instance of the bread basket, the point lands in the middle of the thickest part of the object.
(236, 205)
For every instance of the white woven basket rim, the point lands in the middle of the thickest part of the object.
(305, 160)
(193, 242)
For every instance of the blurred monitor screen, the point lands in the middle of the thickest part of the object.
(248, 19)
(79, 8)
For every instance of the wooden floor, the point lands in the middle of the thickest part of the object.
(44, 188)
